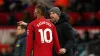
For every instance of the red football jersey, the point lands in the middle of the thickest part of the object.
(41, 37)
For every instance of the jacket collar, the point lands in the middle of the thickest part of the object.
(63, 18)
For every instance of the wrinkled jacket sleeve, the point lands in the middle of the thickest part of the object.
(68, 34)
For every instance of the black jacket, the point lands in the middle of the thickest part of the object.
(65, 33)
(20, 45)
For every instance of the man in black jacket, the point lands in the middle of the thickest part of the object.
(64, 30)
(20, 44)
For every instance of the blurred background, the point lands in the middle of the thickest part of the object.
(84, 16)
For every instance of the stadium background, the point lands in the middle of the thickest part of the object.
(84, 17)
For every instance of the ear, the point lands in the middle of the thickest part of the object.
(38, 12)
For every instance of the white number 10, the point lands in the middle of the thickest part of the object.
(43, 35)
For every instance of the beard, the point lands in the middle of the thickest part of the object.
(53, 20)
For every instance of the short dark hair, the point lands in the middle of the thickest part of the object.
(23, 26)
(42, 8)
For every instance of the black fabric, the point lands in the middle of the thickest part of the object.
(65, 34)
(20, 45)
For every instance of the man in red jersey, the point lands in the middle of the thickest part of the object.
(41, 35)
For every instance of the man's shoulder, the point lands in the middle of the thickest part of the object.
(49, 21)
(31, 23)
(66, 25)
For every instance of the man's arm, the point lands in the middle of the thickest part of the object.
(29, 40)
(56, 41)
(68, 34)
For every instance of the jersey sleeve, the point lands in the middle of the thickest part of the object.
(29, 40)
(55, 40)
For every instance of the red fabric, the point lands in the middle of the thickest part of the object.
(74, 17)
(98, 15)
(0, 48)
(87, 28)
(40, 46)
(4, 46)
(87, 15)
(1, 2)
(63, 3)
(3, 18)
(19, 16)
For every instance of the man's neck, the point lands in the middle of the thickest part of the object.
(38, 17)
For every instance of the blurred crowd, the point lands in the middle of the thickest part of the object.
(88, 42)
(81, 12)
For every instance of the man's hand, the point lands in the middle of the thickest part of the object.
(62, 51)
(22, 23)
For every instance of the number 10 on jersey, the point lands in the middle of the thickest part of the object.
(43, 35)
